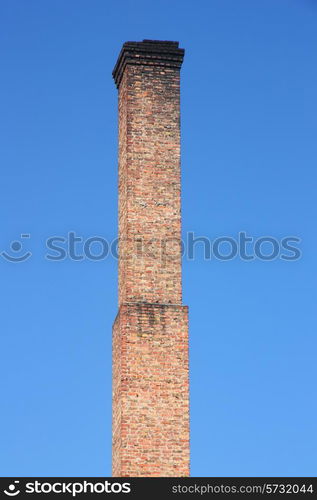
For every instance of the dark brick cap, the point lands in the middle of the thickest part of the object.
(148, 52)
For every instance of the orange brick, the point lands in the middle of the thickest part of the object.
(150, 333)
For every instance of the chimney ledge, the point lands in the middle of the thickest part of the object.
(149, 53)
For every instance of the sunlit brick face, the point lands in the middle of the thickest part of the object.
(150, 333)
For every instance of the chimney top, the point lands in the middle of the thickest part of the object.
(148, 52)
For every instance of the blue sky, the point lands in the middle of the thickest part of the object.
(249, 150)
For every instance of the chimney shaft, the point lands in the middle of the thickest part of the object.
(150, 333)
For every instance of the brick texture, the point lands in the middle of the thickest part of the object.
(150, 333)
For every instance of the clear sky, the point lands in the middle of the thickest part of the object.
(249, 151)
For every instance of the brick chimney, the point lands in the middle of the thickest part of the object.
(150, 333)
